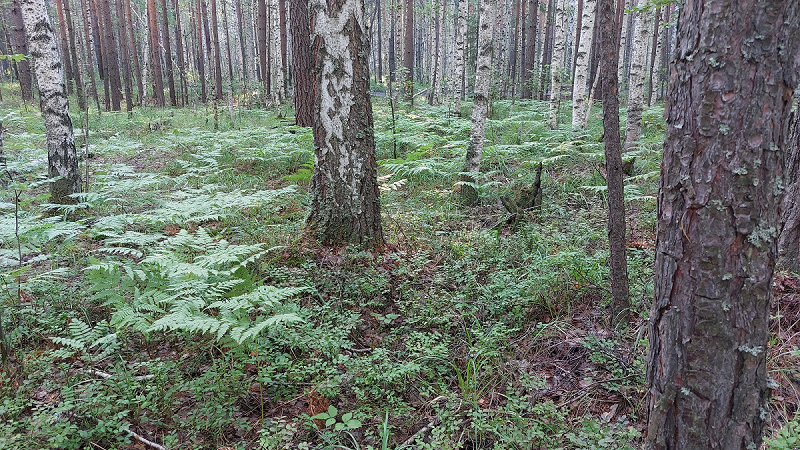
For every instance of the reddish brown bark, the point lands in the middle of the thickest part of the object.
(155, 54)
(173, 99)
(217, 53)
(19, 45)
(302, 63)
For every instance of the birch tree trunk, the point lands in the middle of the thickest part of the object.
(276, 50)
(345, 206)
(62, 159)
(559, 46)
(582, 65)
(458, 60)
(436, 95)
(633, 128)
(480, 104)
(719, 215)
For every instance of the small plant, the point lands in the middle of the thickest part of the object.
(343, 423)
(788, 438)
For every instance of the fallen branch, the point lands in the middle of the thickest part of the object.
(436, 420)
(107, 376)
(145, 441)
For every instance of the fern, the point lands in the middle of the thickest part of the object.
(93, 343)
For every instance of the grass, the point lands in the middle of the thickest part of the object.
(462, 333)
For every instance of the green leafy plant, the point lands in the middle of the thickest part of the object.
(343, 423)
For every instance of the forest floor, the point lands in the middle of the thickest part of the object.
(179, 302)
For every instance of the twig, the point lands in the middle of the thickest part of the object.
(436, 420)
(107, 376)
(145, 441)
(96, 445)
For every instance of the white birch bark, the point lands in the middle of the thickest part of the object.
(633, 127)
(559, 46)
(582, 65)
(480, 103)
(458, 64)
(623, 41)
(61, 155)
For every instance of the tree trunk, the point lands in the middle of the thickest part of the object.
(302, 63)
(633, 128)
(284, 58)
(125, 56)
(184, 91)
(65, 53)
(217, 53)
(110, 56)
(87, 33)
(173, 98)
(227, 41)
(275, 47)
(201, 65)
(155, 54)
(436, 87)
(408, 50)
(73, 50)
(19, 45)
(242, 39)
(789, 243)
(655, 47)
(380, 41)
(530, 49)
(392, 32)
(345, 206)
(609, 56)
(458, 59)
(719, 216)
(62, 159)
(102, 60)
(547, 47)
(559, 47)
(578, 35)
(579, 84)
(262, 41)
(480, 104)
(137, 67)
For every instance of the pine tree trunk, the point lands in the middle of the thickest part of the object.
(789, 242)
(179, 49)
(392, 32)
(530, 49)
(87, 33)
(103, 57)
(62, 159)
(579, 84)
(458, 60)
(227, 40)
(125, 57)
(655, 47)
(201, 65)
(719, 216)
(302, 63)
(110, 49)
(73, 50)
(19, 45)
(380, 41)
(262, 41)
(345, 206)
(217, 53)
(633, 128)
(137, 67)
(559, 47)
(65, 53)
(480, 104)
(242, 45)
(155, 54)
(173, 98)
(408, 50)
(609, 61)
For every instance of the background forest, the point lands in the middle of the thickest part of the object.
(175, 301)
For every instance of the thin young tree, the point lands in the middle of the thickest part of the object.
(480, 103)
(345, 206)
(408, 50)
(458, 58)
(638, 73)
(134, 52)
(609, 56)
(719, 215)
(173, 97)
(124, 51)
(62, 158)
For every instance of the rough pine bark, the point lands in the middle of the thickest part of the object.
(392, 59)
(217, 52)
(302, 63)
(633, 127)
(579, 85)
(110, 56)
(184, 91)
(408, 49)
(559, 47)
(261, 38)
(789, 242)
(480, 103)
(733, 73)
(201, 65)
(609, 60)
(380, 41)
(62, 159)
(345, 206)
(458, 59)
(19, 45)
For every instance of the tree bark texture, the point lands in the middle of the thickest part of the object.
(173, 98)
(87, 36)
(19, 45)
(458, 58)
(261, 31)
(137, 67)
(65, 54)
(655, 47)
(789, 242)
(638, 72)
(436, 84)
(480, 103)
(62, 158)
(275, 46)
(408, 49)
(345, 206)
(609, 56)
(217, 52)
(559, 47)
(73, 50)
(530, 49)
(155, 53)
(110, 56)
(734, 70)
(179, 53)
(302, 63)
(579, 84)
(201, 65)
(125, 51)
(284, 56)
